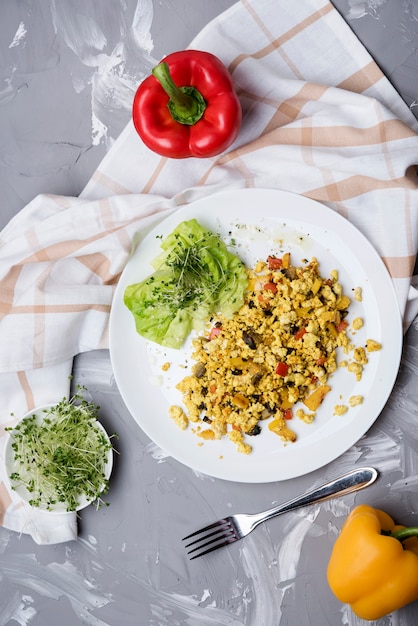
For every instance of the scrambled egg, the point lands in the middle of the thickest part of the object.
(358, 294)
(340, 409)
(357, 323)
(279, 349)
(355, 400)
(372, 345)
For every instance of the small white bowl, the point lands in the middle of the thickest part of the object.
(11, 465)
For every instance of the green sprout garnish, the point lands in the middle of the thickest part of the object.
(62, 458)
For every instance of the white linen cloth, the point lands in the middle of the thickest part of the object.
(319, 119)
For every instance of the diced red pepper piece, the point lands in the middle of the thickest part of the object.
(299, 334)
(287, 414)
(282, 369)
(274, 263)
(270, 286)
(341, 326)
(215, 332)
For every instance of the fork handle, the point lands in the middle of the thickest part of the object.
(347, 483)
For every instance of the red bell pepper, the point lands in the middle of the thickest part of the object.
(188, 107)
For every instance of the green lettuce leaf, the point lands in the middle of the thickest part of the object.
(195, 276)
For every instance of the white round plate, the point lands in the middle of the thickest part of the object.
(41, 413)
(255, 223)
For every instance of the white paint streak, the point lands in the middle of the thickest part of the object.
(348, 618)
(26, 612)
(53, 581)
(193, 615)
(20, 34)
(141, 25)
(339, 507)
(257, 558)
(111, 81)
(360, 8)
(298, 526)
(80, 32)
(8, 92)
(205, 595)
(378, 448)
(204, 477)
(156, 452)
(98, 130)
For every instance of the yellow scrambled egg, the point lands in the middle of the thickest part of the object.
(279, 349)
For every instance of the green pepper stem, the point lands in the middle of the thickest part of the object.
(405, 533)
(186, 104)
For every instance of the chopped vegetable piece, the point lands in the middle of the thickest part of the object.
(299, 334)
(274, 263)
(316, 397)
(278, 426)
(282, 369)
(341, 326)
(270, 286)
(286, 260)
(240, 401)
(215, 332)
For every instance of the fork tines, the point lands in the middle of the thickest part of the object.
(222, 533)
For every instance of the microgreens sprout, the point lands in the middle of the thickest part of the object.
(191, 282)
(63, 456)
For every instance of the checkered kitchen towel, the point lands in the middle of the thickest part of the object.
(320, 119)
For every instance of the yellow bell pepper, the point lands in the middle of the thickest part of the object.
(374, 563)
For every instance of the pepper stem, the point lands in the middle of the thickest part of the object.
(405, 533)
(186, 104)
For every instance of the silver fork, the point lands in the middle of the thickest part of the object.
(236, 527)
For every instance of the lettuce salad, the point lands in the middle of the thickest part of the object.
(195, 276)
